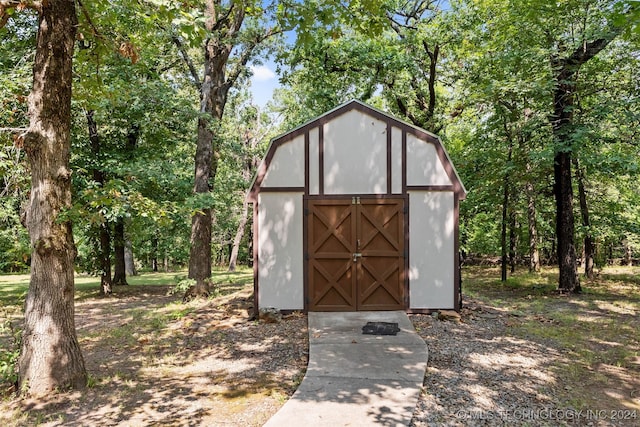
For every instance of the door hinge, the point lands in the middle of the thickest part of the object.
(405, 210)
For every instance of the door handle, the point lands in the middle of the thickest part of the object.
(356, 255)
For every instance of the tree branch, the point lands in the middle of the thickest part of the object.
(13, 130)
(246, 54)
(20, 4)
(187, 59)
(216, 23)
(85, 13)
(16, 4)
(589, 50)
(4, 18)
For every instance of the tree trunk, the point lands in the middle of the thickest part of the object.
(589, 241)
(505, 211)
(104, 237)
(201, 222)
(610, 254)
(563, 190)
(233, 258)
(106, 286)
(534, 256)
(568, 279)
(129, 262)
(50, 356)
(565, 72)
(513, 239)
(503, 232)
(213, 97)
(120, 271)
(154, 254)
(628, 253)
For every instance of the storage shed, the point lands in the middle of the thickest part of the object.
(356, 210)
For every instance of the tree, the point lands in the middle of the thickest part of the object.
(103, 249)
(225, 34)
(546, 46)
(567, 59)
(386, 53)
(128, 73)
(50, 357)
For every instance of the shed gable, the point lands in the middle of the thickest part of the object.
(356, 149)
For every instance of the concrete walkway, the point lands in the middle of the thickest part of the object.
(354, 379)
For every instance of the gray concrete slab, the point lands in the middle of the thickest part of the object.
(354, 379)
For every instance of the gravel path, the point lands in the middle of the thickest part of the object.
(479, 374)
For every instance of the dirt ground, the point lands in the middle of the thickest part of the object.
(155, 361)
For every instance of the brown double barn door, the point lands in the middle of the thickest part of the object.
(355, 254)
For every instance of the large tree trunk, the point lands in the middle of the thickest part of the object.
(213, 97)
(119, 240)
(563, 189)
(50, 357)
(201, 222)
(104, 237)
(120, 271)
(568, 279)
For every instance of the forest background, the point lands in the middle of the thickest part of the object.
(536, 102)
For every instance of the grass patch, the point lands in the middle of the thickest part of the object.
(14, 287)
(597, 332)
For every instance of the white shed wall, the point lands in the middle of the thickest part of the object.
(314, 161)
(396, 160)
(431, 249)
(423, 164)
(287, 166)
(355, 155)
(280, 250)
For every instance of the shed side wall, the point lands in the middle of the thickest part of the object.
(431, 250)
(280, 251)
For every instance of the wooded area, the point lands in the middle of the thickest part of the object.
(152, 152)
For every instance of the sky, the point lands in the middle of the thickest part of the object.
(263, 82)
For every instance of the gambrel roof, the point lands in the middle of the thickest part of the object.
(361, 109)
